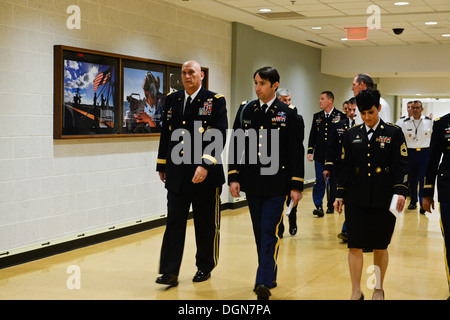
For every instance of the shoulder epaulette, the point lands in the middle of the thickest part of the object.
(170, 93)
(217, 96)
(402, 117)
(292, 107)
(407, 119)
(244, 102)
(437, 119)
(428, 118)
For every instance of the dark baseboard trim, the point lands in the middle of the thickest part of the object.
(40, 253)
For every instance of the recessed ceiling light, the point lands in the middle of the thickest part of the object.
(316, 28)
(446, 35)
(431, 23)
(344, 39)
(265, 10)
(401, 3)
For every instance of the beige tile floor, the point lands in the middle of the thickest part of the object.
(312, 264)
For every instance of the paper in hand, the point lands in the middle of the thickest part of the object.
(288, 212)
(393, 206)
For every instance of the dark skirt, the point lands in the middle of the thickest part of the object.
(369, 228)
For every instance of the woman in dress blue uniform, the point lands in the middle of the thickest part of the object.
(440, 145)
(374, 168)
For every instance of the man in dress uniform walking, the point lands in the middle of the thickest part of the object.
(417, 130)
(334, 149)
(266, 126)
(284, 95)
(318, 140)
(440, 146)
(191, 175)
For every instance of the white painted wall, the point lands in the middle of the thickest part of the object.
(54, 190)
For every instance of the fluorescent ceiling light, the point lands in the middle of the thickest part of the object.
(431, 23)
(265, 10)
(401, 3)
(316, 28)
(446, 35)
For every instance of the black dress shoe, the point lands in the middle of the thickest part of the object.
(318, 212)
(262, 291)
(201, 276)
(169, 279)
(293, 230)
(330, 210)
(343, 236)
(412, 206)
(422, 210)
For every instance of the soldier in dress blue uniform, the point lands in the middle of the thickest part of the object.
(191, 174)
(267, 184)
(417, 130)
(285, 96)
(334, 148)
(440, 147)
(317, 145)
(374, 169)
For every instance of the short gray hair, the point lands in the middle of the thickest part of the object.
(283, 92)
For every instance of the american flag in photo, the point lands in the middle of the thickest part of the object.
(101, 80)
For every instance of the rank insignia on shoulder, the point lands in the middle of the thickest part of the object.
(244, 102)
(217, 96)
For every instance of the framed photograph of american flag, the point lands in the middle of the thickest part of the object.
(88, 101)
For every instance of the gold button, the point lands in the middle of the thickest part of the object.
(182, 132)
(259, 153)
(368, 154)
(184, 122)
(368, 174)
(260, 145)
(262, 127)
(368, 164)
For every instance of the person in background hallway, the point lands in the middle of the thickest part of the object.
(284, 95)
(318, 140)
(408, 110)
(374, 168)
(440, 147)
(197, 180)
(267, 188)
(364, 81)
(334, 150)
(417, 130)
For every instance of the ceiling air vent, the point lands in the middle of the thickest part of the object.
(280, 15)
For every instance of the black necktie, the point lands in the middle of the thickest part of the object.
(264, 107)
(369, 133)
(353, 123)
(188, 104)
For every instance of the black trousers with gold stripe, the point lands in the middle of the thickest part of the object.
(206, 208)
(444, 209)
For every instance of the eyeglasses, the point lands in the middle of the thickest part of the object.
(416, 108)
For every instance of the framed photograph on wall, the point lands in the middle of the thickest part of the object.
(89, 96)
(144, 90)
(102, 95)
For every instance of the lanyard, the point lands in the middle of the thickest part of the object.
(416, 127)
